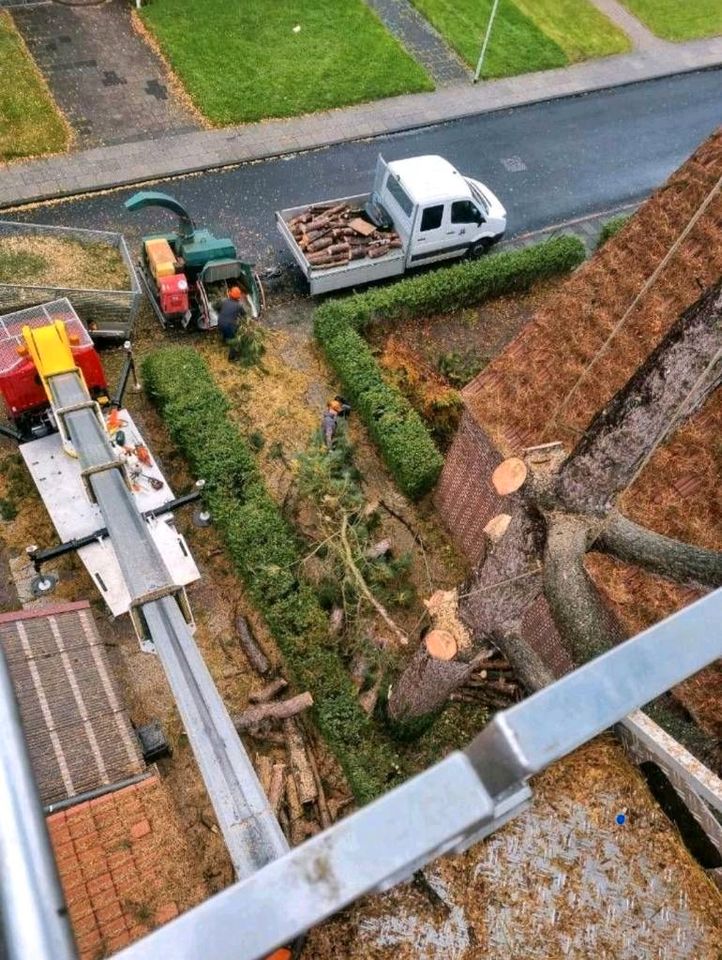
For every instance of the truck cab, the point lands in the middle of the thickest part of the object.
(439, 213)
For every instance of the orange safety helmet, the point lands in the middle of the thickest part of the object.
(235, 293)
(283, 954)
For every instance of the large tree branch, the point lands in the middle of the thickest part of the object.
(674, 381)
(584, 623)
(528, 665)
(682, 562)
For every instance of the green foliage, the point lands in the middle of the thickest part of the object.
(611, 227)
(401, 436)
(248, 345)
(460, 368)
(242, 62)
(267, 555)
(21, 266)
(8, 509)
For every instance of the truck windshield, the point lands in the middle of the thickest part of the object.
(478, 196)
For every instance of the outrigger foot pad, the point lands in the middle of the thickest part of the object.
(43, 584)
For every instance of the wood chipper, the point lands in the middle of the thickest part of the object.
(187, 273)
(21, 387)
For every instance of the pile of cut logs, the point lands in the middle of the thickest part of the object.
(331, 236)
(290, 780)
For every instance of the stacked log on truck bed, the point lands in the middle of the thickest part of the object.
(333, 235)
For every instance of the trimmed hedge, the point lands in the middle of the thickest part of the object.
(612, 227)
(403, 439)
(266, 554)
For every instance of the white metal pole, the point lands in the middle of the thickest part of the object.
(486, 40)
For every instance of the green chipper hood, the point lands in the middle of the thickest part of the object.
(197, 247)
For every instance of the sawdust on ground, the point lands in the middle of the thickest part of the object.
(62, 262)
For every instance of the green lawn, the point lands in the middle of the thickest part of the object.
(30, 123)
(527, 35)
(679, 19)
(579, 28)
(517, 45)
(242, 61)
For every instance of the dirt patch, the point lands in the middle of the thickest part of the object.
(61, 262)
(466, 340)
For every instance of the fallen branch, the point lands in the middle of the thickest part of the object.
(363, 586)
(280, 710)
(264, 768)
(295, 813)
(256, 657)
(298, 763)
(268, 692)
(323, 811)
(277, 787)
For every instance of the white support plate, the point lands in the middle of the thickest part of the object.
(58, 479)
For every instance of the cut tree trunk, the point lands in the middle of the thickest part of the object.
(280, 710)
(268, 692)
(671, 384)
(563, 509)
(427, 681)
(298, 763)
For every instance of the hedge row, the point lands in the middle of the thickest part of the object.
(402, 437)
(266, 554)
(612, 227)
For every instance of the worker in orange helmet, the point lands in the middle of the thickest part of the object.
(229, 314)
(336, 408)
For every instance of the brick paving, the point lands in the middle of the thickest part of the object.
(421, 40)
(104, 77)
(116, 858)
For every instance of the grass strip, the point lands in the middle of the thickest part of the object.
(403, 439)
(266, 553)
(580, 29)
(675, 20)
(517, 44)
(30, 123)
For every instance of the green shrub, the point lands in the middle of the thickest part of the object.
(611, 227)
(403, 439)
(267, 554)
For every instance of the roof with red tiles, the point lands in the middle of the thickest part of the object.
(124, 866)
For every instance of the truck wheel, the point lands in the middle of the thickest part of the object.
(479, 248)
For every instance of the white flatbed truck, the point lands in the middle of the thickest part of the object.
(438, 214)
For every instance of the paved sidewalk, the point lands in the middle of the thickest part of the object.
(104, 77)
(421, 40)
(113, 166)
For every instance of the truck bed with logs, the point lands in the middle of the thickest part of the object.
(420, 211)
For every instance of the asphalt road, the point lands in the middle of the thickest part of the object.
(548, 163)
